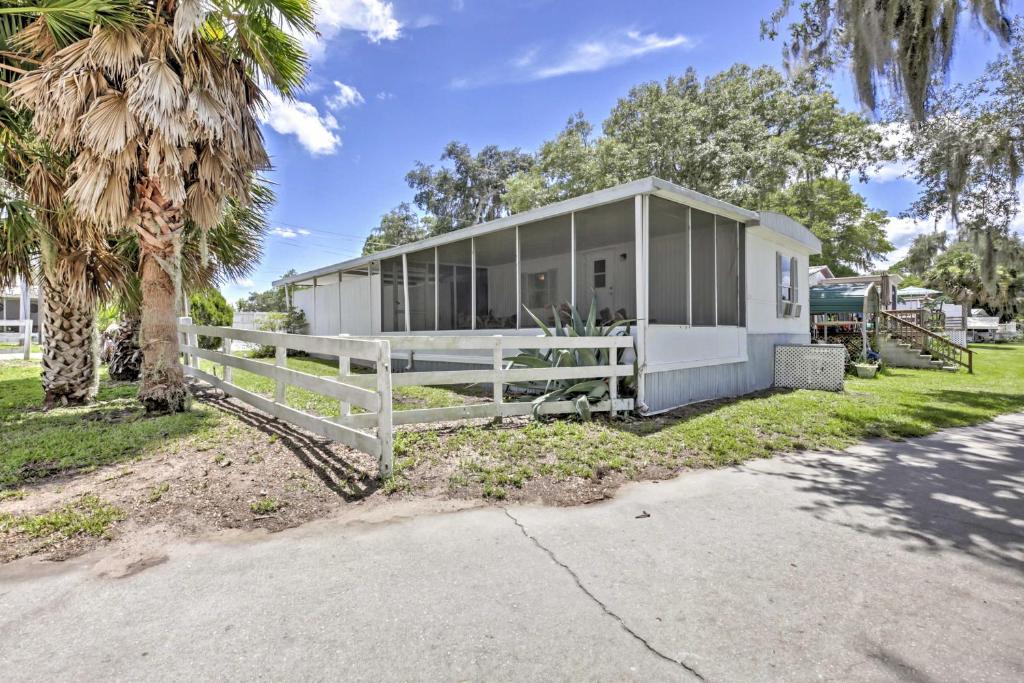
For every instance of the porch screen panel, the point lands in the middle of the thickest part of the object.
(496, 281)
(727, 258)
(606, 260)
(420, 266)
(702, 263)
(545, 266)
(668, 263)
(454, 286)
(392, 295)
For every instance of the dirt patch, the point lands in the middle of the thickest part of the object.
(260, 475)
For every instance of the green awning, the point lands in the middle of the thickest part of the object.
(842, 298)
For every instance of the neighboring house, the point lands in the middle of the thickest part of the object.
(15, 303)
(818, 274)
(913, 298)
(711, 287)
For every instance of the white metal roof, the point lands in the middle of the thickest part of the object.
(649, 185)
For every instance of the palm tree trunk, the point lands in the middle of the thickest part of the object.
(70, 346)
(163, 388)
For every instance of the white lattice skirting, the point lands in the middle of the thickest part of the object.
(810, 366)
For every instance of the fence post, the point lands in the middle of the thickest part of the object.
(498, 384)
(28, 338)
(226, 350)
(344, 368)
(384, 427)
(183, 337)
(613, 381)
(281, 361)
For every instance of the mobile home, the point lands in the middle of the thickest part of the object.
(711, 288)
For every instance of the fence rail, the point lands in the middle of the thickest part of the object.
(372, 392)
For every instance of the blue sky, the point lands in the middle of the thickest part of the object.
(392, 82)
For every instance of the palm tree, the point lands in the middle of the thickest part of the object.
(233, 249)
(39, 235)
(160, 117)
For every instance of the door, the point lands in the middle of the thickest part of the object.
(599, 285)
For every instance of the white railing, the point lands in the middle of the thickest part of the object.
(502, 373)
(372, 391)
(376, 402)
(25, 336)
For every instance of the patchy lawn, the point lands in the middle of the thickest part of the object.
(13, 347)
(71, 478)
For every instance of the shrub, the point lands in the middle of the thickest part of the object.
(581, 392)
(292, 322)
(209, 307)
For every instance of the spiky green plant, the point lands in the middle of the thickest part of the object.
(581, 393)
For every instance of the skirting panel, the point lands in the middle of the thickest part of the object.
(674, 388)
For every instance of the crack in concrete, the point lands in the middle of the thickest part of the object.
(622, 624)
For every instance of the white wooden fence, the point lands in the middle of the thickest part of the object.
(372, 391)
(25, 336)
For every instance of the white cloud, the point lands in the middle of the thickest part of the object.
(375, 19)
(245, 282)
(346, 96)
(289, 233)
(600, 54)
(589, 56)
(902, 231)
(304, 121)
(894, 136)
(384, 95)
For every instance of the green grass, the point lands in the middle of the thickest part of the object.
(897, 404)
(265, 506)
(88, 516)
(7, 347)
(36, 443)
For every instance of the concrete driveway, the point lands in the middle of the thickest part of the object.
(892, 561)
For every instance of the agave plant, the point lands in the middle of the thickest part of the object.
(581, 393)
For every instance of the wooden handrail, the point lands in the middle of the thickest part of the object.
(930, 342)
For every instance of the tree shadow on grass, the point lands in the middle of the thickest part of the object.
(957, 490)
(346, 479)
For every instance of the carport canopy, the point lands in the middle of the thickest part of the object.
(842, 298)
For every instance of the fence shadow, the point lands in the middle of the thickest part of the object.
(956, 490)
(346, 479)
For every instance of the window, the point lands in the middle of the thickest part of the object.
(496, 280)
(606, 260)
(545, 261)
(420, 266)
(600, 273)
(727, 259)
(702, 268)
(454, 286)
(787, 269)
(669, 263)
(392, 295)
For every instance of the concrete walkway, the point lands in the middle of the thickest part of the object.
(892, 561)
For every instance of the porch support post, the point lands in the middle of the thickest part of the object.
(572, 258)
(405, 291)
(641, 206)
(437, 290)
(472, 283)
(519, 284)
(312, 322)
